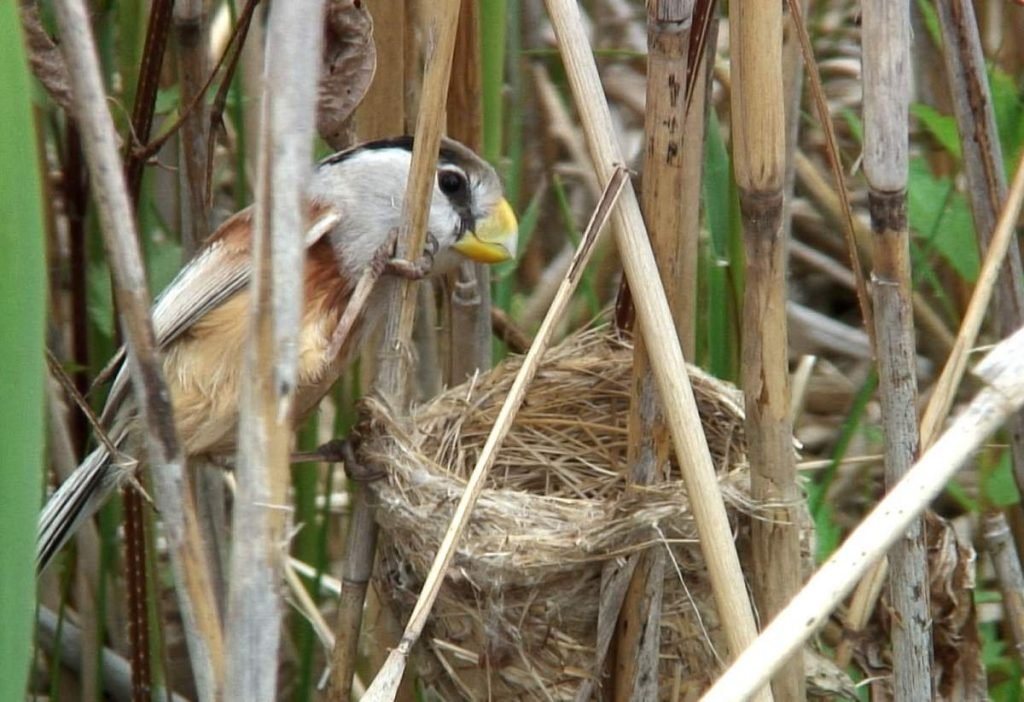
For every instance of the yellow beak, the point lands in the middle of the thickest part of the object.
(495, 238)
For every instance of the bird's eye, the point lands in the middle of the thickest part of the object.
(451, 182)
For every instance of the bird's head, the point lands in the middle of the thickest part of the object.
(469, 217)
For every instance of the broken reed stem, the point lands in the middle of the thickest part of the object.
(886, 60)
(253, 623)
(982, 160)
(392, 380)
(388, 678)
(759, 137)
(656, 322)
(638, 642)
(190, 34)
(197, 606)
(1002, 373)
(1006, 562)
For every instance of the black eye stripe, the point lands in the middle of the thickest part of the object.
(454, 183)
(451, 182)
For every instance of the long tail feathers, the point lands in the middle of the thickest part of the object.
(78, 498)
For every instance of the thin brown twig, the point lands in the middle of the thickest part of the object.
(232, 53)
(835, 161)
(157, 35)
(150, 149)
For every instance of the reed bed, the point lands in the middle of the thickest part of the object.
(849, 300)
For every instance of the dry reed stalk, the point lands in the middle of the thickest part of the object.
(886, 45)
(392, 379)
(385, 684)
(759, 136)
(1006, 562)
(190, 33)
(381, 114)
(253, 622)
(1002, 372)
(382, 111)
(440, 28)
(199, 612)
(966, 71)
(194, 226)
(638, 641)
(470, 300)
(656, 321)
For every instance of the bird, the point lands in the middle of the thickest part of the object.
(201, 320)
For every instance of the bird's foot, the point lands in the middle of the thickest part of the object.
(417, 269)
(340, 451)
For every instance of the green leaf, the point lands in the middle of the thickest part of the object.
(999, 486)
(1008, 106)
(167, 99)
(940, 126)
(100, 302)
(940, 218)
(22, 309)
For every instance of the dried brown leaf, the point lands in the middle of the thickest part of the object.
(45, 57)
(957, 672)
(349, 62)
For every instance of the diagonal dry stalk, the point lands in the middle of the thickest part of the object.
(392, 379)
(986, 185)
(886, 59)
(842, 201)
(656, 321)
(638, 642)
(253, 623)
(759, 136)
(199, 611)
(385, 684)
(1002, 371)
(952, 373)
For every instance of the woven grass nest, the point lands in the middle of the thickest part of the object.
(517, 616)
